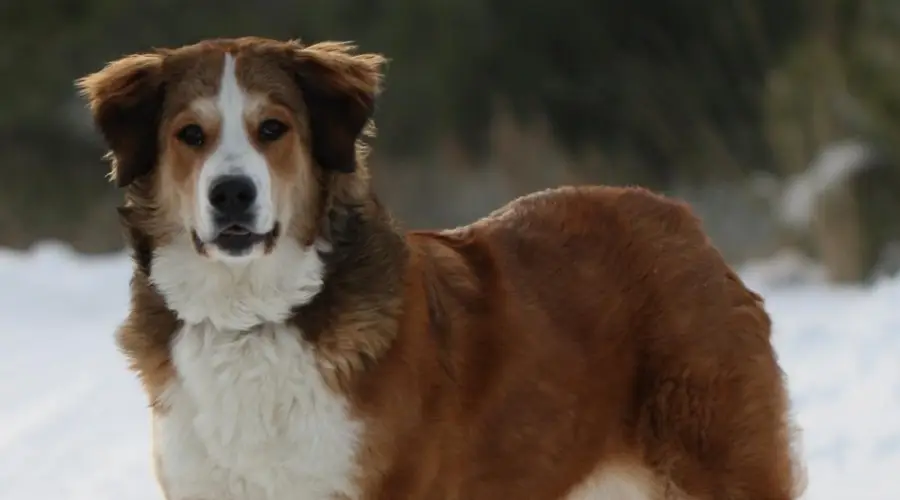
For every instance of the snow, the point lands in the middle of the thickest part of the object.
(74, 423)
(837, 163)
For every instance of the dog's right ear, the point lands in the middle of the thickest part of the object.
(339, 89)
(125, 99)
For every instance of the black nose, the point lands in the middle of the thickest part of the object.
(232, 196)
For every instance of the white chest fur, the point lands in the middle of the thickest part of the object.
(250, 418)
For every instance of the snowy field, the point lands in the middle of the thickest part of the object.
(73, 423)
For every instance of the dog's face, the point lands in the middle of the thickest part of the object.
(227, 142)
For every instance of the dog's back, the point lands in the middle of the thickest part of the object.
(593, 343)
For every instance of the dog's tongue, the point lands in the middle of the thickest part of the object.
(235, 231)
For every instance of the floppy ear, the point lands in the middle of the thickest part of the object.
(125, 99)
(339, 90)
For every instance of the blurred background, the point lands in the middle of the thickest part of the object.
(777, 119)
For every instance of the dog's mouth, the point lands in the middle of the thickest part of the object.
(237, 240)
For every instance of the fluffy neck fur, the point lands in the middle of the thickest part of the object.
(236, 297)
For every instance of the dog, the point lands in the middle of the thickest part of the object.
(578, 343)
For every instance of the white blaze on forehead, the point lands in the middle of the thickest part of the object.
(234, 154)
(233, 105)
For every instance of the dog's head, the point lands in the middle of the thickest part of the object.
(226, 144)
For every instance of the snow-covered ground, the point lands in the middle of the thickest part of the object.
(74, 426)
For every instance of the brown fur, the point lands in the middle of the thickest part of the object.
(573, 332)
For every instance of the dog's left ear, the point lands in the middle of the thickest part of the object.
(125, 99)
(339, 89)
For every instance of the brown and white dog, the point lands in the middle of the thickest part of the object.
(579, 343)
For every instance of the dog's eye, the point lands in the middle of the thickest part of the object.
(271, 130)
(192, 135)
